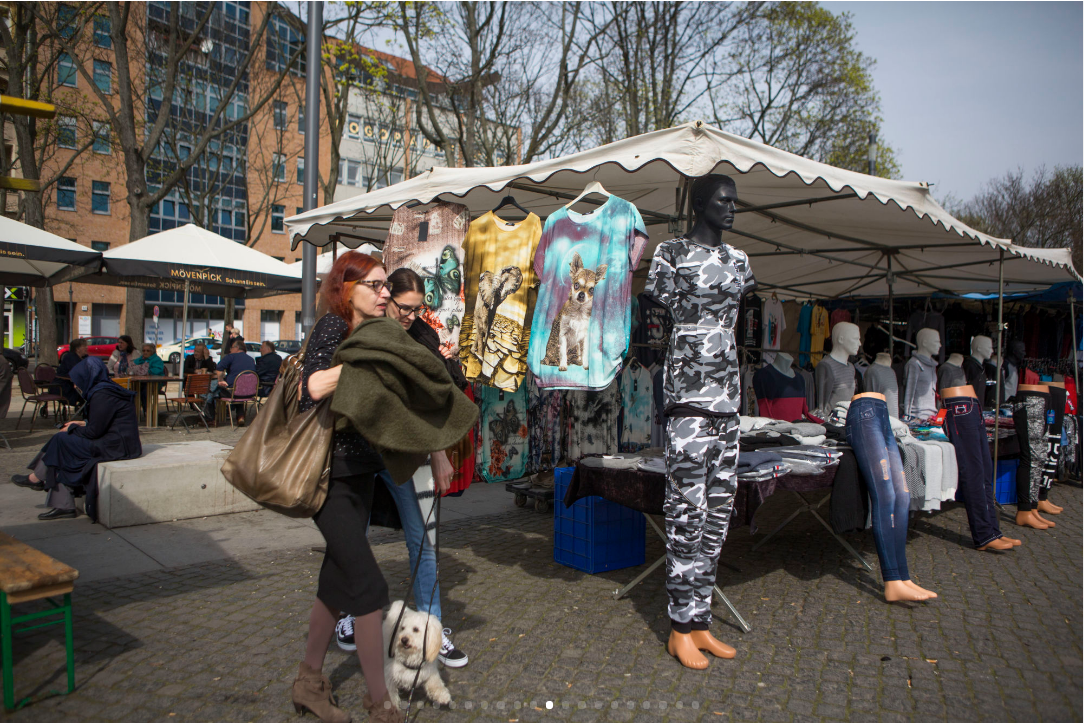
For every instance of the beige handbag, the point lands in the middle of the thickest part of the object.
(283, 461)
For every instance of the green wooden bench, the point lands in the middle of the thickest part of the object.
(26, 575)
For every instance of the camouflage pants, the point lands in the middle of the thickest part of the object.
(701, 462)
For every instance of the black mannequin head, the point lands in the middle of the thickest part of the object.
(1017, 351)
(713, 199)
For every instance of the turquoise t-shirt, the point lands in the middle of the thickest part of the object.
(504, 434)
(583, 313)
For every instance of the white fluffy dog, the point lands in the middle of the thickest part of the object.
(415, 631)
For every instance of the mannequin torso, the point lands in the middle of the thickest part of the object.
(920, 377)
(881, 378)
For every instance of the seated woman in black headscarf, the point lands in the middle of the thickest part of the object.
(68, 464)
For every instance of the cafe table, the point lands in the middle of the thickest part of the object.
(137, 383)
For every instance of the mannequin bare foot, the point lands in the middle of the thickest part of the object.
(1014, 541)
(900, 591)
(706, 642)
(997, 544)
(1049, 508)
(682, 646)
(1049, 523)
(915, 587)
(1027, 519)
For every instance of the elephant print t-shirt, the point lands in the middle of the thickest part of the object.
(504, 434)
(702, 286)
(431, 243)
(582, 320)
(498, 288)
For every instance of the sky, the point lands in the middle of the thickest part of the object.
(972, 90)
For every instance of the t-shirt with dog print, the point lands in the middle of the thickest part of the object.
(583, 315)
(498, 294)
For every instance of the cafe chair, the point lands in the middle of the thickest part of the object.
(31, 395)
(44, 378)
(195, 390)
(244, 390)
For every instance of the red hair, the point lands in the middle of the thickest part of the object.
(335, 291)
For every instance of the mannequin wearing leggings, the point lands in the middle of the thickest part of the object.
(870, 435)
(1055, 417)
(1029, 417)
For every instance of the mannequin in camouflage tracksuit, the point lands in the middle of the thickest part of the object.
(701, 285)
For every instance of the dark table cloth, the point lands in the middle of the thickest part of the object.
(644, 491)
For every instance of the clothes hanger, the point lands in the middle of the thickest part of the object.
(509, 200)
(592, 188)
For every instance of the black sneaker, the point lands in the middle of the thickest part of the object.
(344, 634)
(24, 481)
(449, 655)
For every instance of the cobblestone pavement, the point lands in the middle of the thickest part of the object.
(221, 641)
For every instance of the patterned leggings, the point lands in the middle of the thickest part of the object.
(1029, 418)
(1055, 414)
(701, 465)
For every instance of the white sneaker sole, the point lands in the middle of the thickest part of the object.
(453, 663)
(346, 647)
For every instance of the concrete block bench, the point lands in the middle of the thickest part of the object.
(170, 482)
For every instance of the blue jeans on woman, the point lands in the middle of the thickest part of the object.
(870, 434)
(426, 588)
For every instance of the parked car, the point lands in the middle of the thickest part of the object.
(96, 347)
(172, 352)
(287, 347)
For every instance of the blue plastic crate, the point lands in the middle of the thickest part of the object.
(1005, 484)
(595, 535)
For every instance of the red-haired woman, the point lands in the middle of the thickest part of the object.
(350, 580)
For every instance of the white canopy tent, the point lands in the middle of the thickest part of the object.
(325, 260)
(32, 257)
(811, 229)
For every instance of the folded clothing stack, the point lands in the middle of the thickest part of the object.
(652, 464)
(757, 465)
(620, 461)
(765, 471)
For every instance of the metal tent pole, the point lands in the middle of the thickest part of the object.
(1076, 362)
(313, 68)
(1000, 353)
(891, 306)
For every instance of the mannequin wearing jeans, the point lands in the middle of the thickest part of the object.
(967, 433)
(869, 433)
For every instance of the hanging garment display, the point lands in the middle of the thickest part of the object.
(636, 407)
(463, 455)
(818, 333)
(494, 342)
(592, 421)
(654, 330)
(544, 427)
(581, 325)
(772, 324)
(504, 434)
(750, 311)
(431, 243)
(805, 318)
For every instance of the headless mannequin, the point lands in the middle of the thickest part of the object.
(886, 383)
(1045, 505)
(997, 544)
(782, 362)
(1014, 360)
(714, 215)
(897, 590)
(830, 390)
(955, 359)
(1031, 518)
(883, 359)
(918, 398)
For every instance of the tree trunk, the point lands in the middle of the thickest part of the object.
(135, 299)
(227, 315)
(46, 320)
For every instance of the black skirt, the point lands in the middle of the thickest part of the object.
(350, 579)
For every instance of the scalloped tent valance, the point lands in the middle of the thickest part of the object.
(812, 230)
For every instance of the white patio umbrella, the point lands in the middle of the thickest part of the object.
(32, 257)
(325, 260)
(190, 259)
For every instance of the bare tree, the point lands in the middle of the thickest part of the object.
(155, 49)
(46, 150)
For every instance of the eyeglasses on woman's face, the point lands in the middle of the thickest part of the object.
(377, 285)
(407, 311)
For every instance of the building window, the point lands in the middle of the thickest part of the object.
(66, 20)
(102, 140)
(65, 133)
(353, 126)
(103, 76)
(349, 172)
(280, 115)
(283, 41)
(301, 169)
(102, 28)
(99, 197)
(65, 70)
(278, 216)
(278, 167)
(236, 11)
(65, 193)
(301, 119)
(99, 245)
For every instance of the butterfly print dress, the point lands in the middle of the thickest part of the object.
(431, 243)
(504, 434)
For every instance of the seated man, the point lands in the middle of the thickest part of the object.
(267, 367)
(199, 361)
(77, 350)
(229, 366)
(68, 464)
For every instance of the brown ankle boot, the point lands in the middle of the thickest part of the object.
(312, 691)
(383, 710)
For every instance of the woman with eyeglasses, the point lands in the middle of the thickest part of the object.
(406, 307)
(355, 290)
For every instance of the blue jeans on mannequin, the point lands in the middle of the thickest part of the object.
(426, 587)
(870, 434)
